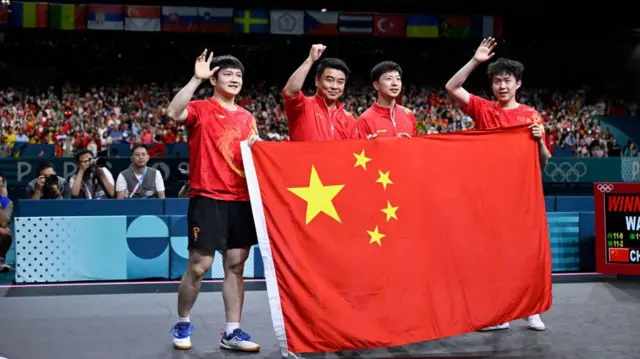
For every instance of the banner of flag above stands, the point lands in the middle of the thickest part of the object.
(245, 21)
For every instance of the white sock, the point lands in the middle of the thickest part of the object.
(231, 327)
(181, 319)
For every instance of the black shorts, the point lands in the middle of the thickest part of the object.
(218, 225)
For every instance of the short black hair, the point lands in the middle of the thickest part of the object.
(43, 166)
(136, 146)
(332, 63)
(226, 62)
(384, 67)
(504, 66)
(81, 153)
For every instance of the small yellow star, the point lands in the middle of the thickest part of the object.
(361, 160)
(384, 179)
(390, 211)
(376, 236)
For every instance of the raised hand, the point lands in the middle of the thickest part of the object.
(203, 69)
(316, 52)
(485, 50)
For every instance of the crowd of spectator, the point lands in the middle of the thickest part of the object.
(73, 119)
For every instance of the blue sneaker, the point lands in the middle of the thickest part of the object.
(182, 335)
(238, 340)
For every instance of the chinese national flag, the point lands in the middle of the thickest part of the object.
(386, 242)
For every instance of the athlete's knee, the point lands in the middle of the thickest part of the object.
(199, 264)
(234, 260)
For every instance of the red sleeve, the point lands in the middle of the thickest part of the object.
(355, 131)
(414, 123)
(294, 106)
(192, 114)
(474, 110)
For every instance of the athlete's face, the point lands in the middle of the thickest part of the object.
(228, 82)
(504, 87)
(389, 84)
(331, 84)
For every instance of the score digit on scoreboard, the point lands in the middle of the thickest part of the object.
(617, 219)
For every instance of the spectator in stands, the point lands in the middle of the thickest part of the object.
(37, 189)
(140, 180)
(91, 181)
(6, 209)
(5, 149)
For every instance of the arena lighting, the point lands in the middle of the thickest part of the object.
(323, 9)
(6, 2)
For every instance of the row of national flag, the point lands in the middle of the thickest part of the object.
(229, 20)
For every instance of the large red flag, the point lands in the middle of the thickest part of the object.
(380, 243)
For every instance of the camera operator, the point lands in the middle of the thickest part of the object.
(140, 180)
(93, 180)
(48, 185)
(6, 209)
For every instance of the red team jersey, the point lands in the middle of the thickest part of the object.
(387, 121)
(311, 120)
(488, 114)
(215, 161)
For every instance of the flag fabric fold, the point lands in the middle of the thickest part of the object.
(370, 244)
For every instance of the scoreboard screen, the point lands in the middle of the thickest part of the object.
(617, 211)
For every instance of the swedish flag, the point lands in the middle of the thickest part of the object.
(251, 21)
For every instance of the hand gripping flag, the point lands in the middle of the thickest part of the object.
(380, 243)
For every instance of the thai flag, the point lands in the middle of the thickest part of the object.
(361, 24)
(105, 17)
(215, 19)
(178, 18)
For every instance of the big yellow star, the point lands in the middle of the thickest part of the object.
(384, 179)
(376, 236)
(361, 160)
(318, 197)
(390, 211)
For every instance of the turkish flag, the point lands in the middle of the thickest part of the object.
(389, 25)
(386, 242)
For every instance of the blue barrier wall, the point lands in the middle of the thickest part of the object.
(83, 240)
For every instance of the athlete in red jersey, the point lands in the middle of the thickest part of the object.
(320, 117)
(219, 215)
(385, 118)
(506, 79)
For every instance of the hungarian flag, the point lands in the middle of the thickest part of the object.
(386, 242)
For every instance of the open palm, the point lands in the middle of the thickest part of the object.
(203, 69)
(485, 50)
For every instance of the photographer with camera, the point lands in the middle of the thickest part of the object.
(93, 180)
(48, 185)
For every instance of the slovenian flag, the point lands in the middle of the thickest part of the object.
(215, 19)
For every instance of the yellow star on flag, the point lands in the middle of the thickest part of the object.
(384, 179)
(376, 236)
(361, 160)
(390, 211)
(318, 197)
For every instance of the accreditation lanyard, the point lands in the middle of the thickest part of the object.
(135, 189)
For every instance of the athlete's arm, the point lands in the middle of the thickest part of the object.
(296, 81)
(537, 130)
(177, 109)
(454, 86)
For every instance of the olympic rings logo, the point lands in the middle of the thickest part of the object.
(565, 171)
(605, 187)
